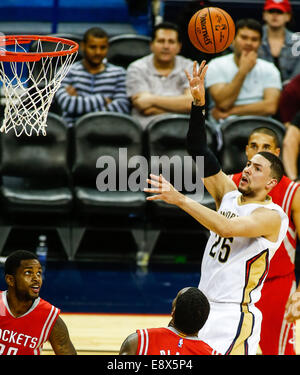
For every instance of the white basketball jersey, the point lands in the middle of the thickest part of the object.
(233, 269)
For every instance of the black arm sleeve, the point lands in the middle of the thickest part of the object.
(196, 141)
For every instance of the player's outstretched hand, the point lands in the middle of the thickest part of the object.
(163, 190)
(197, 82)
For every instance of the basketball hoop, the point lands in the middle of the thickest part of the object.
(31, 77)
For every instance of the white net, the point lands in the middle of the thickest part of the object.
(28, 87)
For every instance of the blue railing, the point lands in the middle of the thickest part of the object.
(55, 11)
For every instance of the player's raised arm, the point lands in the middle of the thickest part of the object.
(262, 222)
(215, 180)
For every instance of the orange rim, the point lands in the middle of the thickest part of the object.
(9, 56)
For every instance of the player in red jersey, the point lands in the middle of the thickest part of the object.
(278, 334)
(190, 310)
(26, 320)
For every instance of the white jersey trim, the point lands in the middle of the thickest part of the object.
(144, 342)
(290, 249)
(34, 305)
(174, 330)
(285, 328)
(286, 205)
(45, 330)
(288, 196)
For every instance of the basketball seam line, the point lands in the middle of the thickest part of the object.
(211, 26)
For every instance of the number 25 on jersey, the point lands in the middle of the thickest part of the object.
(221, 247)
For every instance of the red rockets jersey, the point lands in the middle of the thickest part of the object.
(166, 341)
(26, 334)
(283, 262)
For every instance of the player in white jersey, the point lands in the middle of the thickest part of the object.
(246, 231)
(233, 270)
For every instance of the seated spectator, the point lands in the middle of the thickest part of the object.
(291, 149)
(92, 84)
(289, 103)
(277, 41)
(156, 83)
(190, 310)
(240, 83)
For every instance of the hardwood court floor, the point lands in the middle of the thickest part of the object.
(103, 334)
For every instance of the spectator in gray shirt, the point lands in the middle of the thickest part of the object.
(157, 83)
(278, 43)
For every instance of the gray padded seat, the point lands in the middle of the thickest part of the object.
(166, 135)
(126, 48)
(36, 189)
(235, 133)
(103, 134)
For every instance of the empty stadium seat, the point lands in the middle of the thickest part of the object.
(124, 49)
(166, 137)
(235, 133)
(102, 138)
(36, 182)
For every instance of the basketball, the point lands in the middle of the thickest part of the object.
(211, 30)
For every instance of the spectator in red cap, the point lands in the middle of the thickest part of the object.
(283, 5)
(277, 43)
